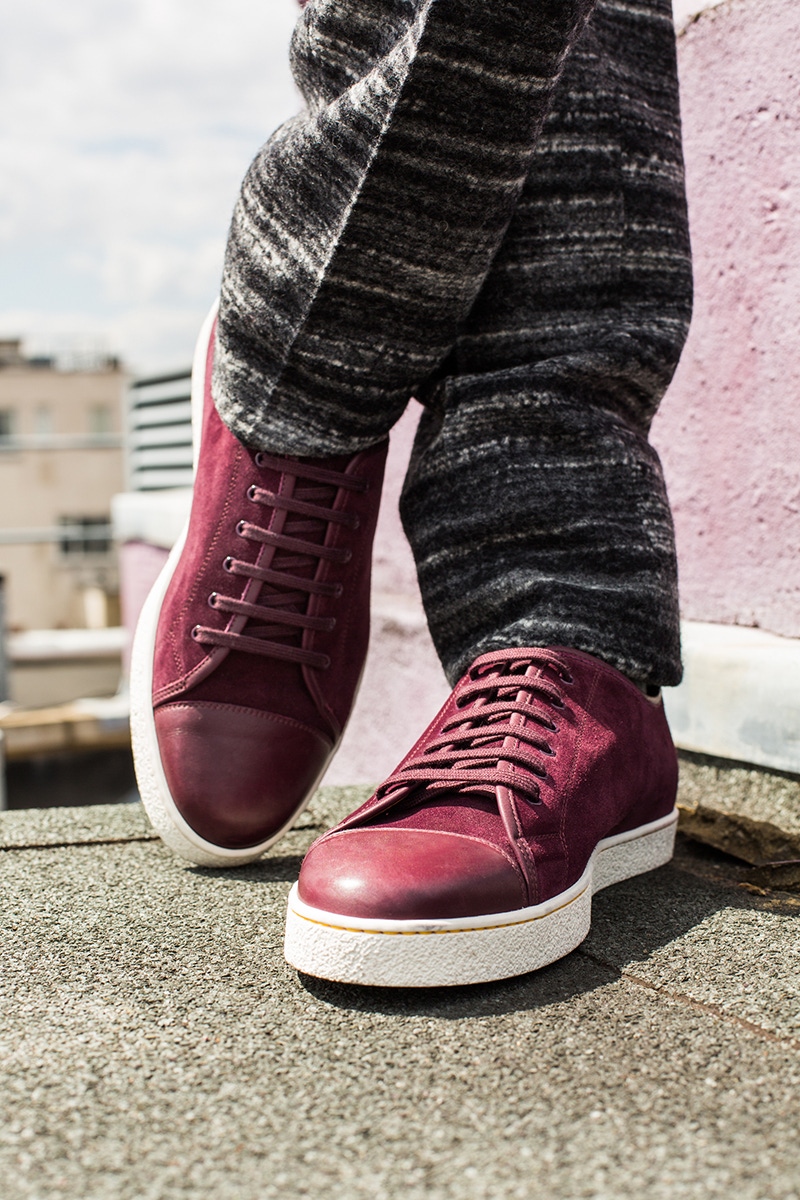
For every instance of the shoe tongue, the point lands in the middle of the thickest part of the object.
(312, 530)
(305, 529)
(309, 529)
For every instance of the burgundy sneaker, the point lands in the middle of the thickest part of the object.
(250, 647)
(546, 777)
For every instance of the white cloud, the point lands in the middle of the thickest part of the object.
(130, 127)
(126, 129)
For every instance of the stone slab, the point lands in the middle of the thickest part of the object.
(34, 828)
(746, 811)
(30, 828)
(708, 938)
(153, 1043)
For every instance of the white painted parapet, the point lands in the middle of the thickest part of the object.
(740, 698)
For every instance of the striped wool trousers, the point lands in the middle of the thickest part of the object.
(482, 205)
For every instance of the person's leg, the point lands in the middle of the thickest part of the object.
(535, 505)
(363, 233)
(538, 516)
(366, 226)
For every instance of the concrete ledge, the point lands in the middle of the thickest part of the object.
(97, 824)
(740, 698)
(687, 11)
(107, 824)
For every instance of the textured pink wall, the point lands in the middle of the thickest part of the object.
(729, 430)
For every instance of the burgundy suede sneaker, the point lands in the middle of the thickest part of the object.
(250, 647)
(546, 777)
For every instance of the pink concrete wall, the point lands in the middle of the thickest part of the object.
(393, 570)
(139, 566)
(729, 429)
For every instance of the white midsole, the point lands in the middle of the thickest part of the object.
(409, 954)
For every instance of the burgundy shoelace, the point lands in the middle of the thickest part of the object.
(272, 615)
(502, 730)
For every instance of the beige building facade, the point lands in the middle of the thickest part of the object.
(61, 461)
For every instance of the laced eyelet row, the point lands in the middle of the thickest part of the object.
(284, 617)
(495, 738)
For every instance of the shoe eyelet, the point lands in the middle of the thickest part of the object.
(558, 703)
(339, 591)
(324, 666)
(227, 564)
(251, 492)
(259, 459)
(567, 679)
(348, 554)
(212, 600)
(549, 751)
(356, 522)
(240, 528)
(196, 632)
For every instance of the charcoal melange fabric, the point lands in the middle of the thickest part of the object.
(482, 205)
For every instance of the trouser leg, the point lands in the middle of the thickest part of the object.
(534, 503)
(366, 226)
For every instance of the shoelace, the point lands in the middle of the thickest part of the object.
(499, 734)
(273, 609)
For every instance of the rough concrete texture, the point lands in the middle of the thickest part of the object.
(729, 428)
(154, 1044)
(100, 823)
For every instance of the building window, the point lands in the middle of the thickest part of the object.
(99, 419)
(43, 421)
(85, 535)
(8, 424)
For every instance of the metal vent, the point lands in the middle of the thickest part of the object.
(160, 432)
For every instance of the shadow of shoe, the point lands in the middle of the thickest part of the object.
(277, 869)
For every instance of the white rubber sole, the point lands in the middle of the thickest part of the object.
(469, 949)
(154, 790)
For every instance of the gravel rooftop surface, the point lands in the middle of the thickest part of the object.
(154, 1044)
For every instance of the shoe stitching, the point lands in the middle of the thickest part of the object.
(468, 837)
(573, 767)
(440, 932)
(211, 705)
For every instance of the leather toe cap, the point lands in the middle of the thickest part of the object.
(237, 775)
(408, 874)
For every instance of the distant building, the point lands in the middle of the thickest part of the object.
(148, 517)
(61, 461)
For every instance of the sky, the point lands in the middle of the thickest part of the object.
(125, 130)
